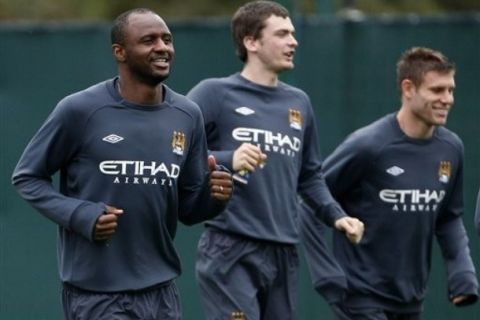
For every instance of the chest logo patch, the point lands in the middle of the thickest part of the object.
(395, 171)
(244, 111)
(112, 138)
(444, 171)
(295, 119)
(178, 142)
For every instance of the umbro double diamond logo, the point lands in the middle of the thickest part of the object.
(244, 111)
(395, 171)
(112, 138)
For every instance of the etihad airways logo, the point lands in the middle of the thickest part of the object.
(412, 200)
(268, 141)
(140, 172)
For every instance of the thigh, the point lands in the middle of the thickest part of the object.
(281, 297)
(227, 276)
(83, 305)
(161, 303)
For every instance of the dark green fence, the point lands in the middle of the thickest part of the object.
(348, 68)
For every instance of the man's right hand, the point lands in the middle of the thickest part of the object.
(107, 224)
(248, 157)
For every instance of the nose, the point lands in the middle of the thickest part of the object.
(160, 45)
(447, 97)
(292, 41)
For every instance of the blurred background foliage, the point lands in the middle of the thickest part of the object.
(101, 10)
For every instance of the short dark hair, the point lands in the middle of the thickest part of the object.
(117, 33)
(415, 62)
(249, 20)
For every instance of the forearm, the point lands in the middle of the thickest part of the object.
(318, 197)
(198, 206)
(453, 241)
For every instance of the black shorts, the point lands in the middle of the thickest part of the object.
(160, 302)
(236, 274)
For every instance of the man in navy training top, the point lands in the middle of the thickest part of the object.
(133, 160)
(402, 176)
(247, 260)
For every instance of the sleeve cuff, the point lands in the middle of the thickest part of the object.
(84, 218)
(464, 284)
(224, 158)
(330, 213)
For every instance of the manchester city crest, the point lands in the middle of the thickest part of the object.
(178, 142)
(444, 171)
(295, 119)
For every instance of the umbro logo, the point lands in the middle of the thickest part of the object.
(112, 138)
(244, 111)
(395, 171)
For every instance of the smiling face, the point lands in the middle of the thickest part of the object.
(426, 82)
(147, 50)
(430, 101)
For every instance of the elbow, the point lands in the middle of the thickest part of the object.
(19, 181)
(190, 218)
(15, 179)
(20, 178)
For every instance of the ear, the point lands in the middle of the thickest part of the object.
(118, 52)
(250, 43)
(408, 88)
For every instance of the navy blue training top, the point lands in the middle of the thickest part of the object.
(150, 161)
(281, 122)
(406, 191)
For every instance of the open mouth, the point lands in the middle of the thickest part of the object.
(290, 55)
(161, 62)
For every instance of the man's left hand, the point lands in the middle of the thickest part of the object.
(221, 184)
(352, 227)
